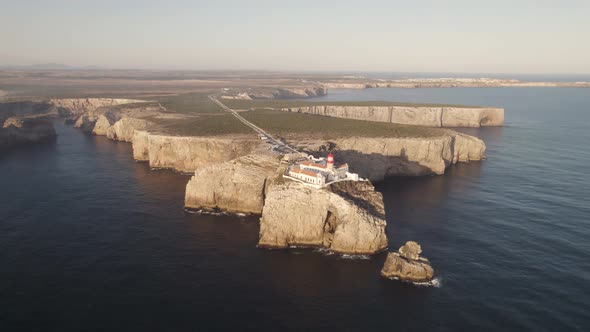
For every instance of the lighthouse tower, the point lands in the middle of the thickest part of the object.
(330, 161)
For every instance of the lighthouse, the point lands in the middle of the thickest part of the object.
(330, 161)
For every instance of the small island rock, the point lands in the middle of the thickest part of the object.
(407, 265)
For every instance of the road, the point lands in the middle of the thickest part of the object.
(276, 145)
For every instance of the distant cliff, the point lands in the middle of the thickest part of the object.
(280, 93)
(418, 116)
(29, 130)
(413, 83)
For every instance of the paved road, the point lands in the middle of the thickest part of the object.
(277, 145)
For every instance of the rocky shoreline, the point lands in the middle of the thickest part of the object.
(237, 174)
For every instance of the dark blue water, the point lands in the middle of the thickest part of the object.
(92, 241)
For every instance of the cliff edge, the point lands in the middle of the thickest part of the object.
(431, 116)
(347, 217)
(238, 185)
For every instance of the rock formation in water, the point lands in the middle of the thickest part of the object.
(27, 130)
(406, 264)
(235, 186)
(347, 217)
(410, 115)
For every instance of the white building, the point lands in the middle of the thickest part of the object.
(319, 172)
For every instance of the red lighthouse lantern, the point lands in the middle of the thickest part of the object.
(330, 160)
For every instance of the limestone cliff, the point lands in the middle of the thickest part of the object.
(77, 106)
(300, 92)
(187, 154)
(407, 265)
(445, 83)
(124, 129)
(377, 158)
(286, 93)
(347, 217)
(234, 186)
(23, 108)
(103, 123)
(419, 116)
(28, 130)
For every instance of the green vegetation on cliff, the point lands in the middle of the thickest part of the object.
(315, 126)
(241, 104)
(203, 125)
(198, 102)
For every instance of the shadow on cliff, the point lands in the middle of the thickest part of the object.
(376, 167)
(360, 193)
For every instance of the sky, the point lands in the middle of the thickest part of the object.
(463, 36)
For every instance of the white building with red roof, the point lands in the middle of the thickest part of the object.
(319, 172)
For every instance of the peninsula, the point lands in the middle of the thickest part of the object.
(305, 167)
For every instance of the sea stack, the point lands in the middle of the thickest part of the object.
(407, 265)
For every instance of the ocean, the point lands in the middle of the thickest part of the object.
(91, 240)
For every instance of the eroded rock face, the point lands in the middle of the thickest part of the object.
(348, 217)
(418, 116)
(124, 129)
(467, 148)
(411, 250)
(300, 92)
(235, 186)
(77, 106)
(24, 108)
(377, 158)
(187, 154)
(287, 93)
(407, 265)
(103, 123)
(87, 121)
(19, 131)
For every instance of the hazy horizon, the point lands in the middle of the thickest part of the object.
(519, 37)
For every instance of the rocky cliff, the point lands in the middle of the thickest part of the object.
(124, 129)
(29, 130)
(235, 186)
(407, 265)
(284, 93)
(377, 158)
(133, 121)
(347, 217)
(23, 108)
(78, 106)
(187, 154)
(418, 116)
(445, 83)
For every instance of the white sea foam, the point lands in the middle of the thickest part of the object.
(215, 213)
(325, 251)
(355, 257)
(436, 283)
